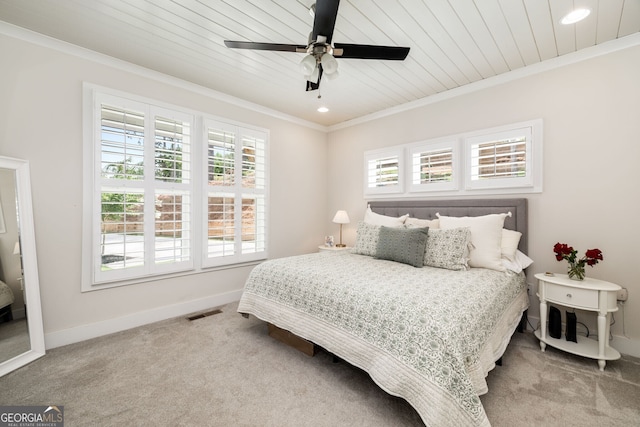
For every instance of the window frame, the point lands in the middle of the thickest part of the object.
(93, 98)
(377, 155)
(239, 192)
(462, 166)
(432, 146)
(532, 181)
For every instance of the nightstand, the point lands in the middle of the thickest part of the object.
(588, 294)
(323, 248)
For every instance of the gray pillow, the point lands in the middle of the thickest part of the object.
(448, 248)
(405, 245)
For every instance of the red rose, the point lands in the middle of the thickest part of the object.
(595, 254)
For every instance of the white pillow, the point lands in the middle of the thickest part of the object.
(420, 223)
(520, 262)
(486, 238)
(510, 242)
(373, 218)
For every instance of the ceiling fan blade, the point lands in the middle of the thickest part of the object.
(366, 51)
(325, 19)
(281, 47)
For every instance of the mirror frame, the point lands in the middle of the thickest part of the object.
(26, 230)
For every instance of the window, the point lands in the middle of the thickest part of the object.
(504, 157)
(501, 160)
(434, 166)
(383, 169)
(144, 216)
(235, 193)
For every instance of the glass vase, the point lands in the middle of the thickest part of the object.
(576, 271)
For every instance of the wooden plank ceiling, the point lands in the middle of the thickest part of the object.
(453, 43)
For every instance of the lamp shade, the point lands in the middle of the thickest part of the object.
(341, 217)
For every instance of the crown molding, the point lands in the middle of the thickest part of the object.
(39, 39)
(530, 70)
(540, 67)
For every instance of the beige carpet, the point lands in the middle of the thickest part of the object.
(14, 338)
(224, 370)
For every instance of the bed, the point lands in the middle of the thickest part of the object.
(426, 330)
(6, 299)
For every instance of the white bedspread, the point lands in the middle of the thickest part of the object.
(427, 335)
(6, 295)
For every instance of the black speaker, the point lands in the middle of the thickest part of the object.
(555, 323)
(571, 327)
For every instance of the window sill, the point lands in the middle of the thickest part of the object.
(158, 277)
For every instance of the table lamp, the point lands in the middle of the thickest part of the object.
(341, 217)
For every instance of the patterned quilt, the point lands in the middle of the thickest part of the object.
(428, 335)
(6, 295)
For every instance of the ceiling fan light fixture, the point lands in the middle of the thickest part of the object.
(333, 75)
(575, 16)
(313, 77)
(321, 55)
(329, 64)
(308, 64)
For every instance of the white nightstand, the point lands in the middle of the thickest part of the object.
(322, 248)
(588, 294)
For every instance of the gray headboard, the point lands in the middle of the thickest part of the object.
(426, 209)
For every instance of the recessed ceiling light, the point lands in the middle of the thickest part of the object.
(322, 109)
(575, 16)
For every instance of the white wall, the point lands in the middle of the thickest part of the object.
(591, 113)
(41, 121)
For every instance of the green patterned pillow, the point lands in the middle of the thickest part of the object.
(405, 245)
(448, 248)
(366, 239)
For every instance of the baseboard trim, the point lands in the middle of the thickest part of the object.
(98, 329)
(624, 345)
(18, 313)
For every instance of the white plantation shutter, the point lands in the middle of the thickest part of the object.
(164, 197)
(235, 206)
(383, 171)
(503, 158)
(143, 190)
(434, 166)
(122, 142)
(173, 165)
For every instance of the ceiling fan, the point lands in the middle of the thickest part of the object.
(321, 52)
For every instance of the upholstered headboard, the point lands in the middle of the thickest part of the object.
(427, 209)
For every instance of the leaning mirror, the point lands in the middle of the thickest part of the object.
(21, 332)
